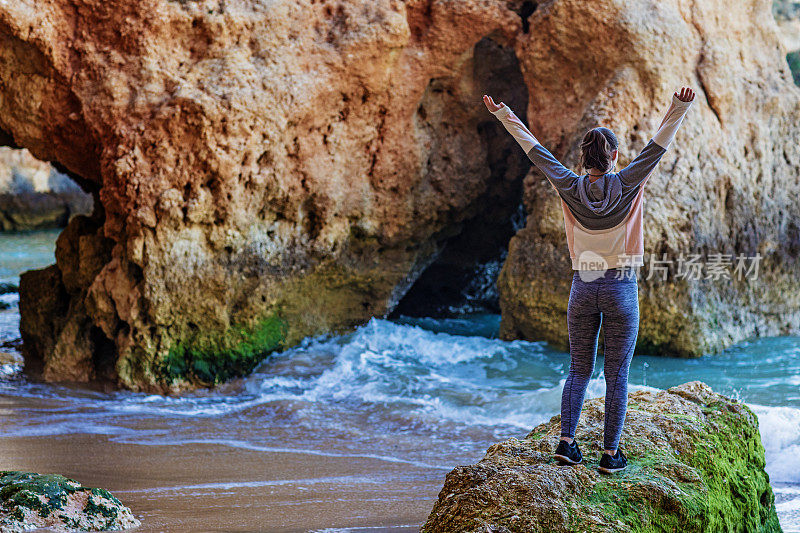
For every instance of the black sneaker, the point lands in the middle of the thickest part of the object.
(568, 453)
(609, 464)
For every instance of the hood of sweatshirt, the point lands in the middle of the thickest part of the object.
(602, 195)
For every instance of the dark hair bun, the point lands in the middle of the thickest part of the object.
(596, 148)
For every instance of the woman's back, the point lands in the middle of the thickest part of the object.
(602, 219)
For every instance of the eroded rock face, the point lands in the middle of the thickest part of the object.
(34, 195)
(32, 501)
(265, 170)
(695, 464)
(727, 185)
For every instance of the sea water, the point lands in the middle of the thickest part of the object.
(393, 406)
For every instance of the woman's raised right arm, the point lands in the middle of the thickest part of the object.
(556, 173)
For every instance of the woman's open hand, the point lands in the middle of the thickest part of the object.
(490, 105)
(686, 95)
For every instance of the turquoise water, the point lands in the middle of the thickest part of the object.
(21, 251)
(427, 393)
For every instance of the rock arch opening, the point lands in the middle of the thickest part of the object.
(36, 195)
(451, 115)
(38, 200)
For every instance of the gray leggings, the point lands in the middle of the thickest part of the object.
(614, 303)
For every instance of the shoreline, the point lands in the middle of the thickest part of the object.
(232, 489)
(229, 488)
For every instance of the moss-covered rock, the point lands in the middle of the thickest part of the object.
(29, 501)
(209, 360)
(696, 463)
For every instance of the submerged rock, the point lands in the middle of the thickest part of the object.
(6, 288)
(695, 464)
(29, 501)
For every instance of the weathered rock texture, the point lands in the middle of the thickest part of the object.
(34, 195)
(30, 501)
(727, 184)
(695, 464)
(265, 170)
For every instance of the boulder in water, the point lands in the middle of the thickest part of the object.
(695, 463)
(29, 501)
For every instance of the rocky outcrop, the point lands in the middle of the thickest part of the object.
(31, 501)
(787, 15)
(696, 464)
(723, 192)
(264, 171)
(268, 171)
(34, 195)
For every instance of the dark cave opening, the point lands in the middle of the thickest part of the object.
(104, 356)
(463, 276)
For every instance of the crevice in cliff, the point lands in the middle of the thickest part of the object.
(699, 64)
(6, 139)
(60, 339)
(104, 356)
(709, 97)
(472, 245)
(524, 10)
(420, 18)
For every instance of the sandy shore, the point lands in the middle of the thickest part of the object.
(202, 487)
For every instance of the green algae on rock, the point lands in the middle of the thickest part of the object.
(29, 501)
(696, 463)
(209, 361)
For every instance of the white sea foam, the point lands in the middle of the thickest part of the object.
(215, 487)
(780, 434)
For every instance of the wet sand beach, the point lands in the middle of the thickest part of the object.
(203, 487)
